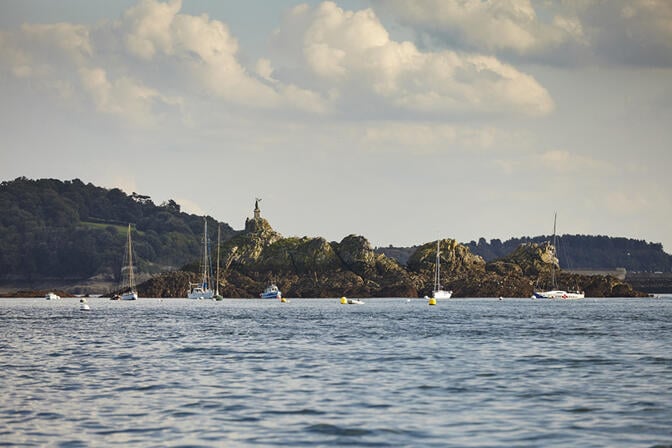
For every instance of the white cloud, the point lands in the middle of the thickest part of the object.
(123, 97)
(637, 32)
(487, 25)
(352, 52)
(151, 56)
(148, 27)
(432, 137)
(565, 162)
(72, 40)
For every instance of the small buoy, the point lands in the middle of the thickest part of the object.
(432, 301)
(83, 305)
(344, 301)
(283, 300)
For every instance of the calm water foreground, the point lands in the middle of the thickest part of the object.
(392, 372)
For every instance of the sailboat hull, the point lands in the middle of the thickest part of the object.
(132, 295)
(558, 294)
(201, 293)
(442, 294)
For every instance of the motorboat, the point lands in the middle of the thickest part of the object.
(271, 292)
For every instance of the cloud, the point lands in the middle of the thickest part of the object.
(351, 52)
(123, 97)
(431, 137)
(150, 58)
(564, 162)
(634, 32)
(486, 25)
(149, 27)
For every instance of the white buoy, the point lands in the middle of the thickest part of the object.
(83, 305)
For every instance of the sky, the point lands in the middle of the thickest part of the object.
(402, 121)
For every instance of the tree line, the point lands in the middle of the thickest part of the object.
(69, 229)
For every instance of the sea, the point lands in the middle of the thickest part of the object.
(315, 373)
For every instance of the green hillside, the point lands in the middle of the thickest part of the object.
(71, 230)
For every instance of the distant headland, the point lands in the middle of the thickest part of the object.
(70, 235)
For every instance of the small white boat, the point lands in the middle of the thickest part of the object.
(83, 305)
(559, 294)
(130, 295)
(438, 292)
(52, 296)
(272, 292)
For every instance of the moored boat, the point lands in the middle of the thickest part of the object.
(559, 294)
(439, 292)
(555, 292)
(52, 296)
(127, 273)
(271, 292)
(202, 290)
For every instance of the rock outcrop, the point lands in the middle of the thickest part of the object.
(314, 267)
(307, 267)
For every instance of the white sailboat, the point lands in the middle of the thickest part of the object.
(127, 274)
(438, 292)
(555, 292)
(202, 289)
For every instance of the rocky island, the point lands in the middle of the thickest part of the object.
(315, 267)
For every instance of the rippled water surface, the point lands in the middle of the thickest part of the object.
(391, 372)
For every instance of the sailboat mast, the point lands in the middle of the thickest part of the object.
(555, 248)
(205, 253)
(437, 273)
(219, 234)
(131, 275)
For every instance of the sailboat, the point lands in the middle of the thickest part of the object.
(202, 289)
(554, 292)
(128, 291)
(219, 242)
(438, 292)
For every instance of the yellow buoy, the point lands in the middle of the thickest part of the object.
(432, 301)
(344, 301)
(283, 300)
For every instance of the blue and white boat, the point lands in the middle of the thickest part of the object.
(272, 292)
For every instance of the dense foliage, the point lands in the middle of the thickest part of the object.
(574, 251)
(585, 251)
(68, 229)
